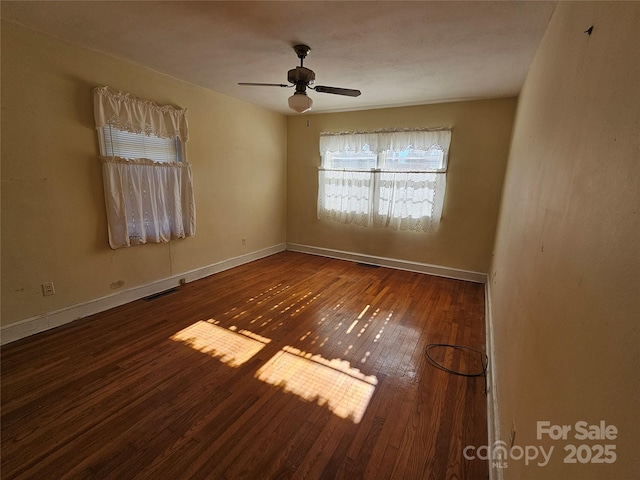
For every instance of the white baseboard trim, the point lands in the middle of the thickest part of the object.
(49, 320)
(436, 270)
(493, 415)
(31, 326)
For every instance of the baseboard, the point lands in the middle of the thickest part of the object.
(493, 415)
(41, 323)
(436, 270)
(31, 326)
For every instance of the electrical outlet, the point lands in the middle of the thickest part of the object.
(47, 289)
(244, 242)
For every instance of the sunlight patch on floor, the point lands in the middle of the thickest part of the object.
(332, 383)
(231, 346)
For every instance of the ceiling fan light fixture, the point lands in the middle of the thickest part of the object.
(300, 102)
(302, 78)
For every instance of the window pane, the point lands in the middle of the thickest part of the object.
(411, 159)
(120, 143)
(349, 159)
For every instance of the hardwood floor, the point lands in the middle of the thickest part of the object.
(293, 366)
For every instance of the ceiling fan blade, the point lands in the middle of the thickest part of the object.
(337, 91)
(265, 84)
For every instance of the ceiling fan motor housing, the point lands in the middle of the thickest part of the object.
(301, 75)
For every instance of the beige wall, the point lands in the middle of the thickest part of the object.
(53, 215)
(565, 282)
(481, 131)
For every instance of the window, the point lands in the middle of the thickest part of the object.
(148, 183)
(120, 143)
(388, 179)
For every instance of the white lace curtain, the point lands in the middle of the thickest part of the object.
(146, 201)
(135, 115)
(384, 141)
(345, 196)
(383, 196)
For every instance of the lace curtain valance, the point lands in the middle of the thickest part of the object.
(126, 112)
(384, 140)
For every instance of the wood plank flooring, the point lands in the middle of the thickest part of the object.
(293, 366)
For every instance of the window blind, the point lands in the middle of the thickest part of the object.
(120, 143)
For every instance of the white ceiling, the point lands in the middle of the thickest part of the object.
(396, 52)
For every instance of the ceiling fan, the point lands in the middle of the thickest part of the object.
(301, 78)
